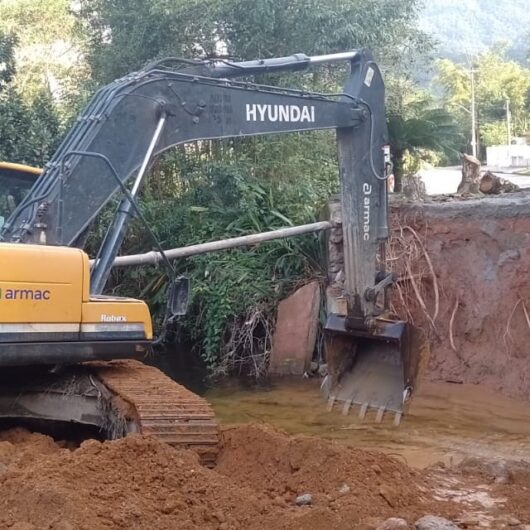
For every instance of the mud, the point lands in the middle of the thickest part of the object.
(445, 423)
(480, 253)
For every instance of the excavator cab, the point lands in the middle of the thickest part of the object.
(15, 182)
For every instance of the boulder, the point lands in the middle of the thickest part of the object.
(294, 338)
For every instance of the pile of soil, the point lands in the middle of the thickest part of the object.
(284, 467)
(141, 483)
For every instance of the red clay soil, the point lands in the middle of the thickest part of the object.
(141, 483)
(480, 253)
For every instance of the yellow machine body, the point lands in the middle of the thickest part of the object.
(45, 300)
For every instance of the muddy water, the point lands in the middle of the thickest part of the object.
(446, 422)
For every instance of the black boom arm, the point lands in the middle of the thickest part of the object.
(157, 108)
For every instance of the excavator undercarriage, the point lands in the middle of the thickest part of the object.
(111, 400)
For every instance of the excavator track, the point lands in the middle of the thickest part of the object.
(153, 404)
(109, 400)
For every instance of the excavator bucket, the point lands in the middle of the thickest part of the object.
(377, 371)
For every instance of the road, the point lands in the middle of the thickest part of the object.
(446, 179)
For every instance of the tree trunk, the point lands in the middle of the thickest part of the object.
(470, 175)
(493, 185)
(398, 170)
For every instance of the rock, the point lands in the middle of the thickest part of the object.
(499, 471)
(512, 521)
(394, 523)
(294, 338)
(344, 489)
(388, 495)
(431, 522)
(304, 500)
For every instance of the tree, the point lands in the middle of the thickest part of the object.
(28, 130)
(8, 42)
(47, 52)
(497, 81)
(416, 124)
(120, 37)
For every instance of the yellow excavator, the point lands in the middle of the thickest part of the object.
(70, 354)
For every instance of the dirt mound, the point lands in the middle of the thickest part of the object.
(284, 467)
(130, 483)
(142, 483)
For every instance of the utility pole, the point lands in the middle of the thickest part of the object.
(508, 121)
(473, 116)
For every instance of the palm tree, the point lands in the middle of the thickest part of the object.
(417, 126)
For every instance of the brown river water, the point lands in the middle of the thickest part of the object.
(446, 422)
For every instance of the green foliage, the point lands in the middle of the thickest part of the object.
(496, 81)
(121, 36)
(219, 200)
(494, 133)
(416, 127)
(48, 56)
(28, 130)
(8, 42)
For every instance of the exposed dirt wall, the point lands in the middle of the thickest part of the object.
(465, 268)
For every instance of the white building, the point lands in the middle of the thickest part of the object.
(515, 155)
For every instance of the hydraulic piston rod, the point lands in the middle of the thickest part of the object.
(114, 237)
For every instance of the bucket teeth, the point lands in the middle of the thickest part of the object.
(346, 407)
(363, 410)
(380, 414)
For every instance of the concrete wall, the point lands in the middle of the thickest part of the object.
(508, 156)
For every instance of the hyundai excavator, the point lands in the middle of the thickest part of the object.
(66, 348)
